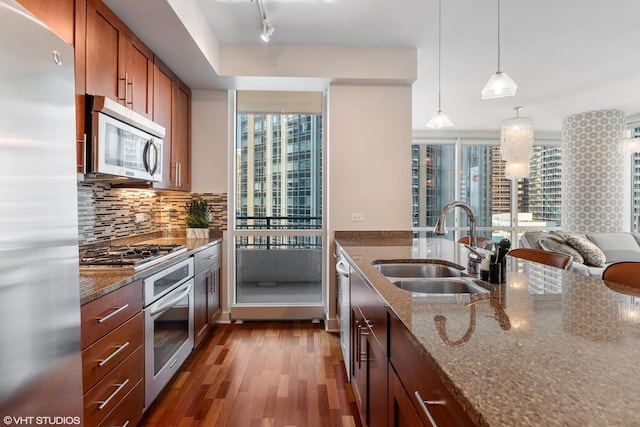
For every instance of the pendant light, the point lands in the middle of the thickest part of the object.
(516, 145)
(439, 119)
(500, 84)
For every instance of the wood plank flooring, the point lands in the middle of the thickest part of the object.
(260, 374)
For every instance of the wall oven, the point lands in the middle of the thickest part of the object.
(168, 317)
(122, 142)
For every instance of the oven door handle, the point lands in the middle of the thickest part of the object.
(157, 311)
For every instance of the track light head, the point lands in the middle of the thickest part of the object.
(267, 31)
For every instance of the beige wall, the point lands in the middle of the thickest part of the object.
(369, 157)
(209, 140)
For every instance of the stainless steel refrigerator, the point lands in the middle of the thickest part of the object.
(40, 363)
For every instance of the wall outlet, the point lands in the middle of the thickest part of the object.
(357, 217)
(140, 217)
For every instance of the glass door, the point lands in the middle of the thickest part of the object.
(278, 230)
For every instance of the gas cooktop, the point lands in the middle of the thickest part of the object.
(129, 256)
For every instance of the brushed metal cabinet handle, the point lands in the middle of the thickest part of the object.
(120, 387)
(113, 313)
(424, 403)
(112, 355)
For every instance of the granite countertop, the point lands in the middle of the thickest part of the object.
(566, 353)
(95, 283)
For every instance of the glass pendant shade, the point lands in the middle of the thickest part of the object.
(499, 86)
(513, 170)
(516, 145)
(439, 120)
(629, 145)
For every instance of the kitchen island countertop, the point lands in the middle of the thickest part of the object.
(96, 282)
(566, 354)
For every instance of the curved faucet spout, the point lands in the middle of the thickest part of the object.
(441, 229)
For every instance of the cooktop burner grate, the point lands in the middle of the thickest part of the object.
(129, 255)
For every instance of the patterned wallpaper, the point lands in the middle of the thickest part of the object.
(106, 213)
(592, 176)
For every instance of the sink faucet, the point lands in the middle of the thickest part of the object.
(440, 229)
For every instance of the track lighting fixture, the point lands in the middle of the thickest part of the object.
(267, 28)
(267, 31)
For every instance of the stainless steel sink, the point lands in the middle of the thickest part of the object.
(444, 285)
(418, 268)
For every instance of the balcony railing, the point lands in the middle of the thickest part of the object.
(288, 223)
(279, 222)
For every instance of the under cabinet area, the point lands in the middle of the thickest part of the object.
(206, 291)
(112, 336)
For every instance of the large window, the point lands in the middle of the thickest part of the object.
(472, 170)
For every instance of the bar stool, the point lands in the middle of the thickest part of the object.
(553, 259)
(625, 273)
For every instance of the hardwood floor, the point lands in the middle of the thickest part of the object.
(260, 374)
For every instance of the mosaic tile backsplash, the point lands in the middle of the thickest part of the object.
(106, 213)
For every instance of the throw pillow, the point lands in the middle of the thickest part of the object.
(554, 244)
(592, 254)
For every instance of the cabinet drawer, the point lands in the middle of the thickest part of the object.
(109, 392)
(417, 374)
(129, 411)
(206, 258)
(101, 316)
(105, 354)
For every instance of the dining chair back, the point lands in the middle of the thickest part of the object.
(625, 273)
(553, 259)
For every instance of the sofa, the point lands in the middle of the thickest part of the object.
(591, 252)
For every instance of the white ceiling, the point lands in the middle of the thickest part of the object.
(567, 56)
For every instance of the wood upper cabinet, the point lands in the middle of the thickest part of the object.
(181, 144)
(163, 105)
(58, 15)
(139, 76)
(118, 64)
(104, 52)
(172, 109)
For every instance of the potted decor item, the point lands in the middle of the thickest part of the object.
(198, 211)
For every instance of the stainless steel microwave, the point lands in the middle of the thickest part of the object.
(122, 142)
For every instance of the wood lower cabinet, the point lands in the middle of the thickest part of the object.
(402, 413)
(369, 358)
(112, 337)
(206, 292)
(425, 391)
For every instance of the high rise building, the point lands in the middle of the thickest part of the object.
(279, 171)
(483, 184)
